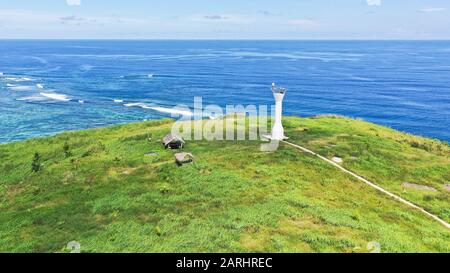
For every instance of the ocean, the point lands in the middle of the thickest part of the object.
(47, 87)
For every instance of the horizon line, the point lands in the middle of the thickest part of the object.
(222, 39)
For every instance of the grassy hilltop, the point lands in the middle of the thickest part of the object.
(97, 187)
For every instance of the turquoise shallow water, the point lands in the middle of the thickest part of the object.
(52, 86)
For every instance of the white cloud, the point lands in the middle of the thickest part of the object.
(432, 9)
(221, 18)
(23, 23)
(267, 13)
(216, 17)
(374, 2)
(73, 2)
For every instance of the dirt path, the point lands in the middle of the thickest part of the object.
(373, 185)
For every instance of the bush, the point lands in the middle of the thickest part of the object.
(66, 150)
(96, 148)
(428, 198)
(158, 231)
(36, 164)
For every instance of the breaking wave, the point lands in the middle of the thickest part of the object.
(13, 87)
(138, 104)
(55, 96)
(19, 79)
(174, 111)
(34, 98)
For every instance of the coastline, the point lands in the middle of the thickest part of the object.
(378, 81)
(205, 119)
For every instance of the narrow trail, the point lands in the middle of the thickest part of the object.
(371, 184)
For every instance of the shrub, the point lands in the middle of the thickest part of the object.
(36, 164)
(66, 150)
(428, 198)
(158, 231)
(96, 148)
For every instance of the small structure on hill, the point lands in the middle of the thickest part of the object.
(173, 142)
(183, 158)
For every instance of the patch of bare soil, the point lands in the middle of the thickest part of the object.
(418, 187)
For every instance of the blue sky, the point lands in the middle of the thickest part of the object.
(225, 19)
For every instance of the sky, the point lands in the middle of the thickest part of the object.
(225, 19)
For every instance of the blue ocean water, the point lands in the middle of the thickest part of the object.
(51, 86)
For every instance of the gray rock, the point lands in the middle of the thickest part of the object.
(183, 158)
(419, 187)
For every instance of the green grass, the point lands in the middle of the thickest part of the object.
(104, 193)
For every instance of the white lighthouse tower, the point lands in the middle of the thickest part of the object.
(278, 130)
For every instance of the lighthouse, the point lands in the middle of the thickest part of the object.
(278, 130)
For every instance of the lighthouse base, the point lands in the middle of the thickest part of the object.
(270, 137)
(278, 131)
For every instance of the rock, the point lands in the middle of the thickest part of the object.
(447, 187)
(336, 159)
(418, 187)
(183, 158)
(151, 154)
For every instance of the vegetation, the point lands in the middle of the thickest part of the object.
(66, 150)
(36, 164)
(98, 187)
(384, 156)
